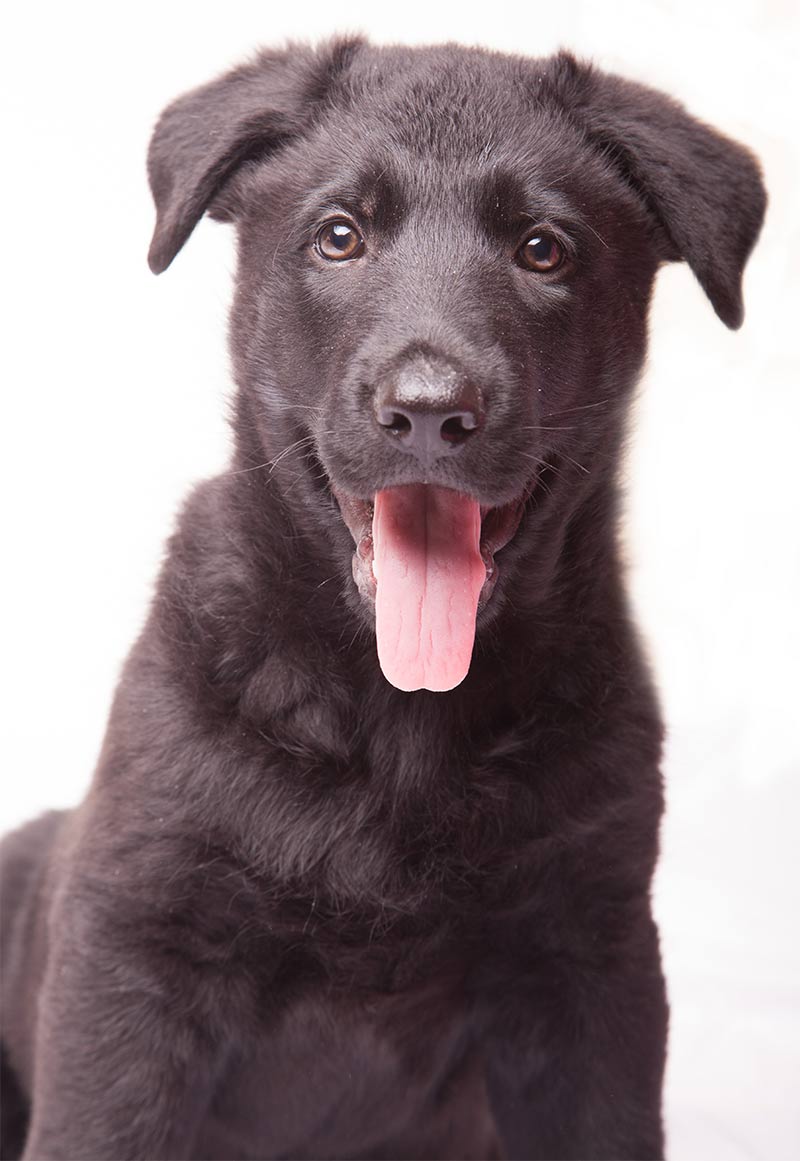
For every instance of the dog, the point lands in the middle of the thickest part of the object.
(364, 869)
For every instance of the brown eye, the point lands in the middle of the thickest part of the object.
(339, 241)
(541, 252)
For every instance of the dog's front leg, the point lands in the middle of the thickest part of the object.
(126, 1054)
(575, 1057)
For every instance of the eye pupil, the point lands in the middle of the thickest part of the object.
(338, 241)
(341, 235)
(540, 248)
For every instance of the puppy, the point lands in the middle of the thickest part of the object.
(364, 870)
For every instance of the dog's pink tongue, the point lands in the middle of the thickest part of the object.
(429, 571)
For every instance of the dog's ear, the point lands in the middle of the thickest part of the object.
(204, 136)
(705, 190)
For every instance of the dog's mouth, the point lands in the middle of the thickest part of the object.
(425, 555)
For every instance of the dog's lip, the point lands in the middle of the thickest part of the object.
(498, 527)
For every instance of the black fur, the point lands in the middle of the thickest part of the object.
(301, 914)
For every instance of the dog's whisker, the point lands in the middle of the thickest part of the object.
(569, 410)
(242, 471)
(575, 462)
(305, 473)
(273, 462)
(540, 462)
(288, 408)
(306, 440)
(539, 427)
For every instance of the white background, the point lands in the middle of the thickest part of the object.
(114, 386)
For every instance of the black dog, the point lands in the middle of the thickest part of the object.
(302, 913)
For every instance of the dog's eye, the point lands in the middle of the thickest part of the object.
(541, 252)
(339, 240)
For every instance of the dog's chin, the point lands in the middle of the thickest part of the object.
(499, 525)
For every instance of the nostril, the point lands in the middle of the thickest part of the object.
(456, 428)
(394, 421)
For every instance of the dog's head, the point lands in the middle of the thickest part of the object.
(445, 263)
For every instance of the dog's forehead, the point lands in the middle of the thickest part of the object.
(451, 103)
(463, 132)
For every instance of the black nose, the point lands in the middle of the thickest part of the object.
(428, 409)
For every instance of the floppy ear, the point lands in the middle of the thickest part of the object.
(705, 190)
(204, 136)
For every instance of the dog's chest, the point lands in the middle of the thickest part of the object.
(354, 1075)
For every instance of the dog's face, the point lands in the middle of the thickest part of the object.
(446, 259)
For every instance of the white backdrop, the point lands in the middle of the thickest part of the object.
(113, 400)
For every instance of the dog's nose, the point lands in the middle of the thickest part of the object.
(428, 410)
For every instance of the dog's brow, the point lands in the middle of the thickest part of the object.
(509, 196)
(371, 194)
